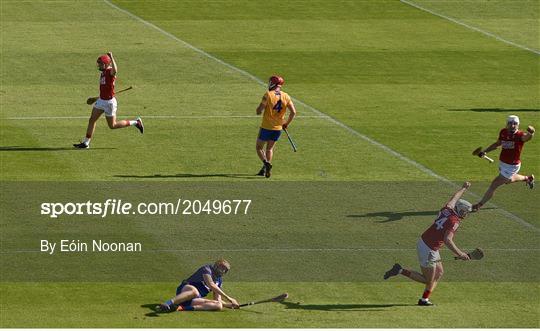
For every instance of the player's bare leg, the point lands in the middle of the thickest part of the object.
(114, 124)
(188, 293)
(96, 113)
(498, 181)
(439, 271)
(260, 150)
(270, 150)
(431, 281)
(262, 155)
(414, 275)
(269, 153)
(202, 305)
(529, 180)
(429, 276)
(398, 269)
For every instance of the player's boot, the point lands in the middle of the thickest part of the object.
(81, 145)
(268, 169)
(262, 172)
(530, 181)
(139, 125)
(164, 308)
(393, 272)
(476, 207)
(425, 302)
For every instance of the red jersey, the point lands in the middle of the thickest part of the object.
(447, 220)
(106, 84)
(512, 145)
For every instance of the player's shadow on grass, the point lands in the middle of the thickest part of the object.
(342, 307)
(246, 176)
(392, 216)
(40, 149)
(497, 110)
(154, 313)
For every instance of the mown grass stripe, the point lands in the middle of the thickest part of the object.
(468, 26)
(325, 116)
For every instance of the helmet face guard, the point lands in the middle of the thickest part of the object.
(463, 207)
(512, 123)
(274, 82)
(512, 119)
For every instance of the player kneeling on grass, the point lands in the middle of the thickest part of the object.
(511, 139)
(191, 292)
(106, 103)
(274, 104)
(440, 233)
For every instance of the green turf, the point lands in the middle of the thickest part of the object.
(333, 217)
(332, 227)
(358, 305)
(515, 21)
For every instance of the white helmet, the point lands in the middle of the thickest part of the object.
(512, 118)
(462, 206)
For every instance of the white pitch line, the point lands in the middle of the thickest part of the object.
(358, 249)
(325, 116)
(31, 118)
(486, 33)
(232, 250)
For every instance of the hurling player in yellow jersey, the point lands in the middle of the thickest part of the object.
(273, 106)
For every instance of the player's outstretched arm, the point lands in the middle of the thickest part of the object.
(114, 66)
(529, 134)
(213, 286)
(491, 147)
(459, 193)
(449, 241)
(225, 304)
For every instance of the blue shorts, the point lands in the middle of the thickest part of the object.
(266, 135)
(202, 292)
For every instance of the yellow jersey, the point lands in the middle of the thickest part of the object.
(275, 109)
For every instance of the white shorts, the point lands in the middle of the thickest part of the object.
(108, 106)
(426, 256)
(508, 170)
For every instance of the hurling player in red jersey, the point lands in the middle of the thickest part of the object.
(511, 139)
(106, 102)
(441, 232)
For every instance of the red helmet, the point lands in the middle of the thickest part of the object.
(275, 81)
(105, 59)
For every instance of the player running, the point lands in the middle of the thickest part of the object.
(512, 140)
(434, 238)
(274, 104)
(106, 102)
(190, 293)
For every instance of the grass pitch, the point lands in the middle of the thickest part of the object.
(333, 217)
